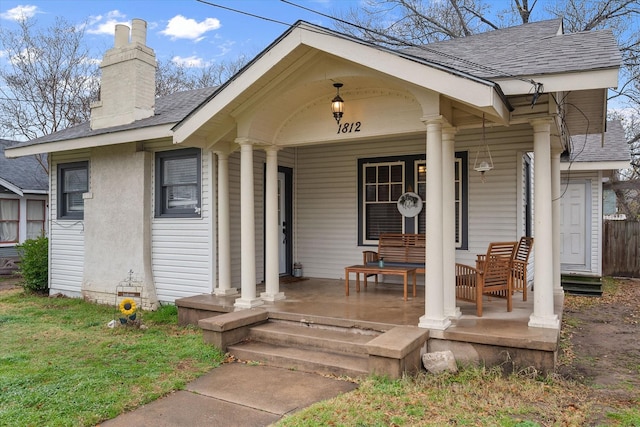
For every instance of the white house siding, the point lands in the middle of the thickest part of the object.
(66, 243)
(326, 196)
(595, 210)
(181, 247)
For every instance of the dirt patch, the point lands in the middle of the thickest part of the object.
(9, 282)
(601, 343)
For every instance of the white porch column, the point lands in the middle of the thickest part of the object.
(543, 315)
(272, 270)
(224, 235)
(247, 229)
(449, 222)
(555, 208)
(434, 316)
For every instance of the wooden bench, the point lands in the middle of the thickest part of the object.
(398, 250)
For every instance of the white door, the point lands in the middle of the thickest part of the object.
(282, 224)
(573, 225)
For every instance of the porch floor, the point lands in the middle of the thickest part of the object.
(382, 307)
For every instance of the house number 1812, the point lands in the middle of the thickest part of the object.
(349, 127)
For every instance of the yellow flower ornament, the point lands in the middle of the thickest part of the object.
(127, 306)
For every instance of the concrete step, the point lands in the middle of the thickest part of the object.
(302, 359)
(324, 338)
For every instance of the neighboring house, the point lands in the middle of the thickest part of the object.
(592, 160)
(217, 189)
(24, 188)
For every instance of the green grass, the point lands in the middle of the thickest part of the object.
(60, 365)
(472, 397)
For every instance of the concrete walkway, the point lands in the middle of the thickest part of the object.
(235, 394)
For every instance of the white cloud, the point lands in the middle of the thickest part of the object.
(20, 13)
(189, 61)
(180, 27)
(106, 24)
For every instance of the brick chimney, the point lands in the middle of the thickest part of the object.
(128, 82)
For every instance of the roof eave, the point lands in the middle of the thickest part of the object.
(111, 138)
(561, 82)
(11, 187)
(595, 166)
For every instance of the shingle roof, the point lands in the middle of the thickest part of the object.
(169, 109)
(530, 49)
(525, 50)
(24, 172)
(589, 148)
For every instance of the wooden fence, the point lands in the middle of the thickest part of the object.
(621, 248)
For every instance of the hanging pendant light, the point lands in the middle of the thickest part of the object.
(337, 104)
(484, 161)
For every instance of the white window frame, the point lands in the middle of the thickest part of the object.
(162, 209)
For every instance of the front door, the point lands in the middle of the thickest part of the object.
(285, 223)
(574, 226)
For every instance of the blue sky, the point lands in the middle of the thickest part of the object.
(185, 31)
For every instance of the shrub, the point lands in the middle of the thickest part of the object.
(34, 264)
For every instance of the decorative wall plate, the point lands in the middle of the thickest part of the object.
(410, 204)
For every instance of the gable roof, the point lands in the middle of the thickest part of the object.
(536, 48)
(590, 152)
(22, 175)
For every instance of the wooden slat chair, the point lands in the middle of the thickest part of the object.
(493, 278)
(519, 264)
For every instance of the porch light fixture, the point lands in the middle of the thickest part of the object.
(484, 161)
(337, 104)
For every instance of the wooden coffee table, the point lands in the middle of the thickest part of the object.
(367, 270)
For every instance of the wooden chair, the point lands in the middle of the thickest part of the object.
(519, 265)
(492, 278)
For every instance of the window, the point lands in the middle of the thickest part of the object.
(381, 181)
(35, 218)
(73, 182)
(178, 183)
(9, 220)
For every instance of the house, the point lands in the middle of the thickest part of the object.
(24, 188)
(587, 165)
(215, 190)
(592, 161)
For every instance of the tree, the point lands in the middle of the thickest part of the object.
(396, 23)
(49, 80)
(172, 77)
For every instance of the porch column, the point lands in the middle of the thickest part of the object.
(434, 316)
(272, 276)
(224, 236)
(555, 208)
(543, 315)
(449, 222)
(247, 229)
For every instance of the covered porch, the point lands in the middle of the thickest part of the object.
(499, 338)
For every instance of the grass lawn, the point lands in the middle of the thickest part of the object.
(60, 365)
